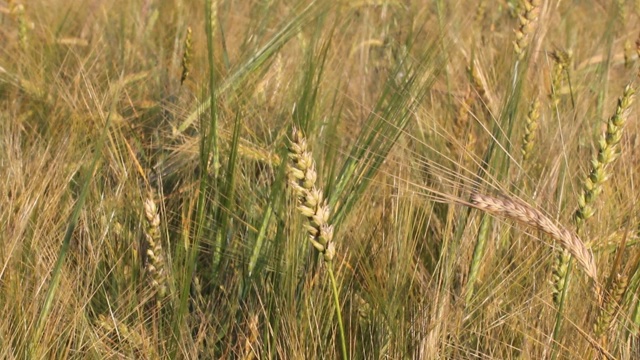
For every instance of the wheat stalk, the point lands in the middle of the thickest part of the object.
(526, 214)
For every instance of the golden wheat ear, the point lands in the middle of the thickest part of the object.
(155, 267)
(311, 203)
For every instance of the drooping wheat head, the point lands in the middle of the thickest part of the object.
(311, 203)
(524, 213)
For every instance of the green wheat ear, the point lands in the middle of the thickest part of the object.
(530, 130)
(561, 61)
(607, 152)
(610, 306)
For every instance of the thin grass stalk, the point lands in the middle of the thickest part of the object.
(336, 299)
(227, 195)
(64, 248)
(395, 107)
(499, 161)
(275, 201)
(212, 13)
(557, 326)
(206, 144)
(261, 56)
(478, 253)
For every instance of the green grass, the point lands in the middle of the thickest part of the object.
(408, 108)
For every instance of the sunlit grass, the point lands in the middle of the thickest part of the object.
(146, 208)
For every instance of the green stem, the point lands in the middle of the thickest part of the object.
(560, 312)
(478, 253)
(336, 298)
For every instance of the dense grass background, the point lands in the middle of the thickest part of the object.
(142, 216)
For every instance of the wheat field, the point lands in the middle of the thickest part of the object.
(306, 179)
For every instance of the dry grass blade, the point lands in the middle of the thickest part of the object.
(524, 213)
